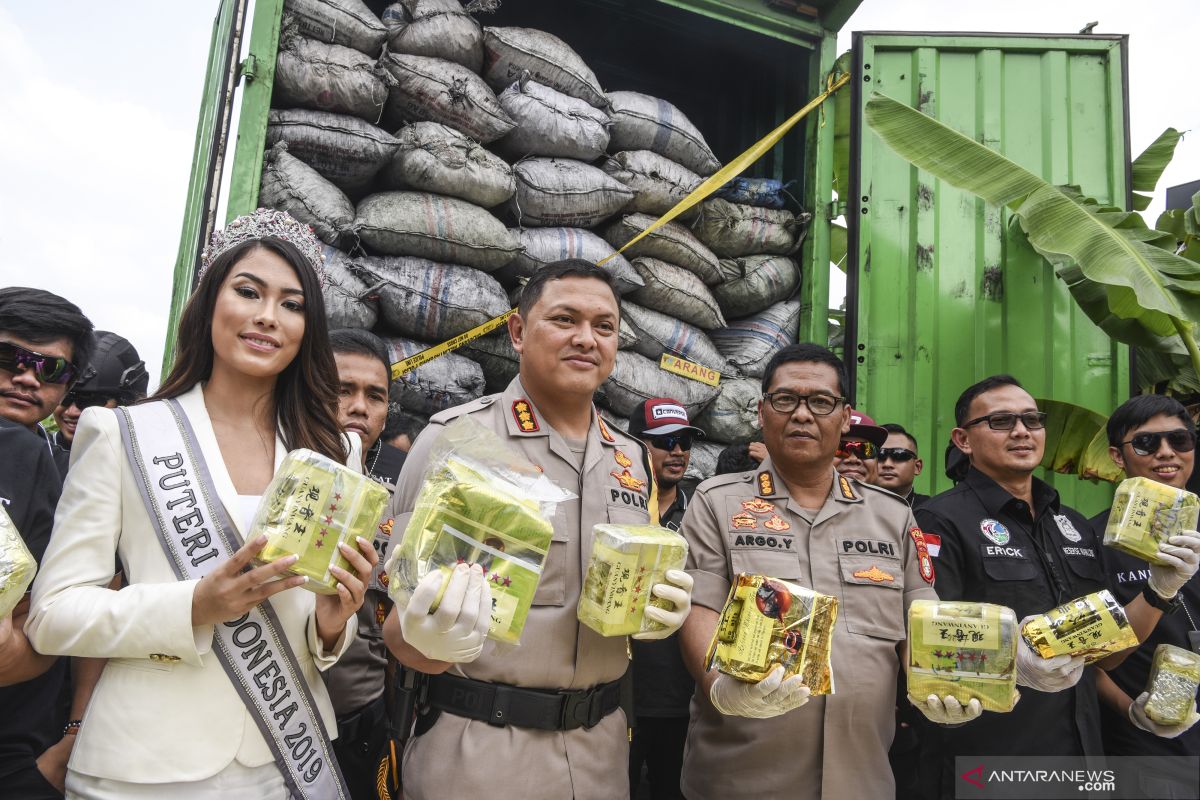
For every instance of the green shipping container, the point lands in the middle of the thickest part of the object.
(941, 291)
(939, 294)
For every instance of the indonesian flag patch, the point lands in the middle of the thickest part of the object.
(923, 559)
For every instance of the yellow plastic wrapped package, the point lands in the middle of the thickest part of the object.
(1174, 679)
(767, 622)
(17, 566)
(968, 650)
(1092, 626)
(482, 504)
(625, 563)
(311, 505)
(1145, 514)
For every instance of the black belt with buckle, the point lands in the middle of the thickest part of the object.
(546, 709)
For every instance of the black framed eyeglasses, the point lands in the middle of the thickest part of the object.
(1181, 440)
(47, 369)
(1006, 420)
(821, 405)
(897, 454)
(863, 451)
(667, 441)
(83, 400)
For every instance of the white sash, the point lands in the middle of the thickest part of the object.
(195, 532)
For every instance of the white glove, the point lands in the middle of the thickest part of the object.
(1046, 674)
(679, 594)
(1137, 715)
(770, 697)
(1183, 554)
(457, 630)
(947, 710)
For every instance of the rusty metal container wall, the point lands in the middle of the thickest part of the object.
(943, 292)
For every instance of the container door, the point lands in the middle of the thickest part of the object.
(940, 293)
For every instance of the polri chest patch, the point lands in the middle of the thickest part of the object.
(868, 546)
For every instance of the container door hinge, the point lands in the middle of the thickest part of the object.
(248, 69)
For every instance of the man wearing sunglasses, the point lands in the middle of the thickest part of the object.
(1003, 536)
(899, 464)
(662, 686)
(1150, 436)
(857, 454)
(42, 338)
(796, 519)
(114, 376)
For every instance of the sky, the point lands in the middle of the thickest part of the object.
(99, 103)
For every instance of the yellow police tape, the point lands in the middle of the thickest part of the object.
(699, 194)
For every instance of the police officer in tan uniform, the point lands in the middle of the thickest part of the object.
(541, 720)
(795, 518)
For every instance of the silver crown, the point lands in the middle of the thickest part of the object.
(266, 223)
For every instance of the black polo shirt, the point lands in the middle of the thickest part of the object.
(384, 462)
(915, 500)
(32, 713)
(662, 686)
(1127, 575)
(992, 548)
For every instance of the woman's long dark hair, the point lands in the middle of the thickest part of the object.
(305, 395)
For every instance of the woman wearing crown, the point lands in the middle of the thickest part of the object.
(212, 687)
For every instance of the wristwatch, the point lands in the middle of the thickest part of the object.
(1165, 606)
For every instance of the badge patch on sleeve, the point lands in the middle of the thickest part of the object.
(923, 558)
(523, 414)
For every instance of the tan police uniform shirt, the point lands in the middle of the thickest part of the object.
(459, 757)
(860, 548)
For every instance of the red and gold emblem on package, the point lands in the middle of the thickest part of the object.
(526, 419)
(923, 558)
(743, 520)
(628, 480)
(758, 506)
(622, 459)
(875, 575)
(777, 523)
(766, 484)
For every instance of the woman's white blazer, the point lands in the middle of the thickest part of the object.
(164, 708)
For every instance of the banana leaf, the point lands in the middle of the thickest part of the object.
(1153, 367)
(1149, 166)
(1076, 442)
(1143, 281)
